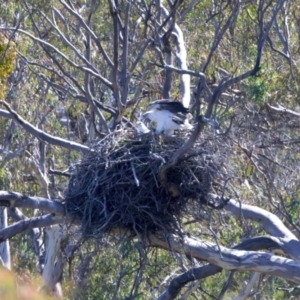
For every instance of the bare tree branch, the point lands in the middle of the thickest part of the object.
(197, 273)
(88, 29)
(220, 33)
(260, 45)
(34, 233)
(116, 37)
(231, 259)
(125, 77)
(26, 224)
(13, 199)
(54, 260)
(189, 7)
(11, 114)
(4, 246)
(282, 109)
(181, 58)
(88, 78)
(91, 69)
(180, 281)
(188, 72)
(270, 222)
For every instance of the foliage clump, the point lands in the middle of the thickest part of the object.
(7, 61)
(117, 185)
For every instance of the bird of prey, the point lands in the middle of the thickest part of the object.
(165, 116)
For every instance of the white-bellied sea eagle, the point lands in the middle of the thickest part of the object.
(165, 116)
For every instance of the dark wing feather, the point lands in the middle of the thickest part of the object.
(172, 106)
(179, 118)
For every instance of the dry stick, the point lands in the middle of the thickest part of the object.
(125, 77)
(34, 233)
(87, 81)
(282, 109)
(59, 173)
(137, 182)
(183, 149)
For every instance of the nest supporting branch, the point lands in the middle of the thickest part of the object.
(181, 151)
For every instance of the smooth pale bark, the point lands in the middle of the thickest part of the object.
(230, 259)
(4, 247)
(53, 267)
(181, 56)
(284, 110)
(281, 235)
(14, 199)
(282, 241)
(271, 223)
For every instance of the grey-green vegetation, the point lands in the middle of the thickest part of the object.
(74, 72)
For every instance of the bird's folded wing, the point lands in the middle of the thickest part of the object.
(171, 106)
(179, 118)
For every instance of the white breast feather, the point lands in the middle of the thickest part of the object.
(163, 119)
(164, 122)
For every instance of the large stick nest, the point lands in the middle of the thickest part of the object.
(117, 185)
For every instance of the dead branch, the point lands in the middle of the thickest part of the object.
(13, 199)
(89, 30)
(11, 114)
(54, 260)
(282, 109)
(197, 273)
(26, 224)
(34, 233)
(90, 68)
(232, 259)
(193, 274)
(270, 222)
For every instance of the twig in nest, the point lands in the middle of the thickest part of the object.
(137, 182)
(183, 149)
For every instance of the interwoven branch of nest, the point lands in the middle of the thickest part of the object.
(117, 185)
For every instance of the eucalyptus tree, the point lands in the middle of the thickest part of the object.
(84, 70)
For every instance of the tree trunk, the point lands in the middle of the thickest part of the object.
(4, 246)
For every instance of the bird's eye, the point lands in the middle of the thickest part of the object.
(153, 124)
